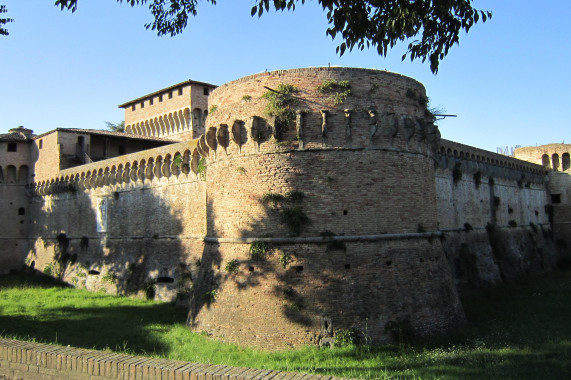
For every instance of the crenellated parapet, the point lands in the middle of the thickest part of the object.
(452, 155)
(321, 108)
(176, 162)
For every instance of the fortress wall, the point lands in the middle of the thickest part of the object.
(556, 161)
(494, 209)
(478, 187)
(153, 230)
(155, 224)
(365, 286)
(348, 124)
(345, 192)
(370, 174)
(560, 183)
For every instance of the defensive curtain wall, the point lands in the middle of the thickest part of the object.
(349, 212)
(556, 160)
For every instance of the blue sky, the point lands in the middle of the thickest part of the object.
(508, 81)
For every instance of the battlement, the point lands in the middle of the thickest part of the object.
(453, 155)
(319, 108)
(171, 162)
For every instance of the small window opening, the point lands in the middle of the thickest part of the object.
(251, 269)
(21, 222)
(170, 95)
(344, 212)
(12, 147)
(347, 266)
(299, 268)
(555, 198)
(180, 91)
(21, 211)
(151, 101)
(206, 91)
(93, 272)
(143, 104)
(165, 280)
(389, 262)
(41, 144)
(133, 107)
(160, 98)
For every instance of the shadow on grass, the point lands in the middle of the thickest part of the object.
(517, 331)
(131, 328)
(32, 279)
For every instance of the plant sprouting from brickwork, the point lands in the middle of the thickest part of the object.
(295, 219)
(232, 266)
(109, 278)
(212, 109)
(281, 103)
(273, 198)
(338, 91)
(210, 296)
(150, 290)
(202, 168)
(258, 250)
(177, 161)
(246, 98)
(285, 259)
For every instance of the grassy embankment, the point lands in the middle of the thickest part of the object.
(516, 331)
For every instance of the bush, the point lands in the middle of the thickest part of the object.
(346, 337)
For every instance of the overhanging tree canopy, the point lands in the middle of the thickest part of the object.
(434, 25)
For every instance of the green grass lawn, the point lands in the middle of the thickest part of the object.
(516, 331)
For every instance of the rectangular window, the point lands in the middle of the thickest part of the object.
(41, 144)
(555, 198)
(170, 95)
(133, 107)
(160, 98)
(180, 91)
(206, 92)
(151, 101)
(12, 147)
(143, 104)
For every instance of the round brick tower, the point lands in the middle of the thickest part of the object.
(321, 211)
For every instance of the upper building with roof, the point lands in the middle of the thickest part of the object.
(178, 111)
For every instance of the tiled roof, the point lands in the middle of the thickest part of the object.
(99, 132)
(13, 137)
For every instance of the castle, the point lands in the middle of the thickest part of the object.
(284, 207)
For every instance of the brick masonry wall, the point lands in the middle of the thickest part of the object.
(373, 166)
(153, 235)
(31, 361)
(48, 161)
(319, 291)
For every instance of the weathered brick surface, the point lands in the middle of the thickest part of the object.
(18, 365)
(177, 111)
(373, 172)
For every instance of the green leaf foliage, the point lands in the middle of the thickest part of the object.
(432, 26)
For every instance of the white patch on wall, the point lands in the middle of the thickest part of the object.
(101, 215)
